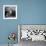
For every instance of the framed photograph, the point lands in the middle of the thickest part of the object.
(33, 32)
(9, 11)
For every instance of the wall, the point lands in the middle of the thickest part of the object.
(28, 12)
(7, 26)
(34, 12)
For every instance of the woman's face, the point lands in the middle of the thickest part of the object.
(10, 12)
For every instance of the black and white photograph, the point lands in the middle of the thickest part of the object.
(9, 11)
(29, 35)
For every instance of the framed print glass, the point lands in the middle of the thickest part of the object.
(9, 11)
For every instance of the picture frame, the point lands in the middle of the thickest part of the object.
(36, 32)
(9, 11)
